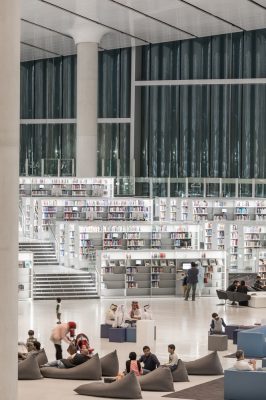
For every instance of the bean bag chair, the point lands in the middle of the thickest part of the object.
(41, 357)
(125, 388)
(180, 374)
(29, 369)
(158, 380)
(90, 370)
(110, 364)
(207, 365)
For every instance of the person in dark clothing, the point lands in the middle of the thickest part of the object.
(233, 287)
(77, 359)
(242, 288)
(192, 280)
(149, 360)
(258, 285)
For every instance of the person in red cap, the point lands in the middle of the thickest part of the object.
(60, 333)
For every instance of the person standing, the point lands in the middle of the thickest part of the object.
(192, 280)
(59, 333)
(58, 310)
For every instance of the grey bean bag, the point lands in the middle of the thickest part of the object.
(90, 370)
(125, 388)
(158, 380)
(29, 369)
(110, 364)
(180, 374)
(207, 365)
(41, 357)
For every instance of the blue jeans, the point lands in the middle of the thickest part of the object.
(189, 286)
(56, 363)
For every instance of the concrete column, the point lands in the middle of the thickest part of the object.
(87, 106)
(9, 157)
(87, 35)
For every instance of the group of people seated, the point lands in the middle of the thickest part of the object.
(32, 345)
(118, 316)
(148, 362)
(241, 287)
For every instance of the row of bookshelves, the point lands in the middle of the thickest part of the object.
(149, 273)
(175, 209)
(66, 187)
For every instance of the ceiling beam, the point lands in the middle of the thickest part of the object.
(257, 4)
(40, 48)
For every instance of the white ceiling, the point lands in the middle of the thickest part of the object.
(47, 25)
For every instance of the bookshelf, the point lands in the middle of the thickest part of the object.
(25, 275)
(156, 273)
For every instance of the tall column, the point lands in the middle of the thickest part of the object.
(9, 157)
(87, 103)
(87, 36)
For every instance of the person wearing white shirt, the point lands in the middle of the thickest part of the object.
(243, 365)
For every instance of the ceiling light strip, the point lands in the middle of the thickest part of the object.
(192, 82)
(40, 48)
(211, 14)
(92, 20)
(46, 28)
(153, 18)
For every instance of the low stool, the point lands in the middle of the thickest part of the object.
(217, 342)
(117, 335)
(131, 335)
(105, 331)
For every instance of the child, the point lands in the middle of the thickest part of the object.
(173, 359)
(31, 338)
(217, 325)
(58, 310)
(184, 284)
(133, 365)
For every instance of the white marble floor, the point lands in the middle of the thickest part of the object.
(183, 323)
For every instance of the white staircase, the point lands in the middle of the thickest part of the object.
(65, 285)
(43, 252)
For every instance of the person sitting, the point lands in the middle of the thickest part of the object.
(135, 313)
(233, 286)
(173, 358)
(110, 314)
(149, 360)
(32, 348)
(243, 365)
(217, 325)
(242, 288)
(133, 364)
(258, 284)
(79, 358)
(147, 314)
(31, 337)
(121, 317)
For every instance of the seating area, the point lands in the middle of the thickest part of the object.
(253, 342)
(244, 385)
(234, 297)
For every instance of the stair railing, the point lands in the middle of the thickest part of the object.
(54, 239)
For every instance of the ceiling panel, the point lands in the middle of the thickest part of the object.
(113, 15)
(181, 15)
(131, 22)
(28, 53)
(241, 12)
(46, 39)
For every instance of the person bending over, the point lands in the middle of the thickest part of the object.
(60, 333)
